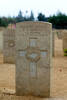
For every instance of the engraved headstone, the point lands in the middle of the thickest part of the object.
(60, 33)
(9, 45)
(33, 58)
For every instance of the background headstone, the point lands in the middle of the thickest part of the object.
(33, 58)
(65, 39)
(59, 33)
(9, 45)
(53, 41)
(1, 39)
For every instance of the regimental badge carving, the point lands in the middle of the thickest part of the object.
(11, 43)
(33, 54)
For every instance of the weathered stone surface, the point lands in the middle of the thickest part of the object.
(65, 39)
(60, 33)
(1, 40)
(9, 45)
(53, 40)
(33, 58)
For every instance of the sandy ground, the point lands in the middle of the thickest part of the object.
(58, 77)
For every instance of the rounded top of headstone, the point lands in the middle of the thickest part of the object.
(28, 23)
(33, 28)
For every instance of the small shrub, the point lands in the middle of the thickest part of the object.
(65, 52)
(57, 33)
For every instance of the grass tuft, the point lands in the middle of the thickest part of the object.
(65, 52)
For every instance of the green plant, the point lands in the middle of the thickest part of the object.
(57, 33)
(65, 52)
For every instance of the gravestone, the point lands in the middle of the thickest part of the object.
(9, 45)
(65, 39)
(33, 58)
(59, 33)
(1, 39)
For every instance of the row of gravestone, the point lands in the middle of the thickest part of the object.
(62, 35)
(29, 46)
(9, 42)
